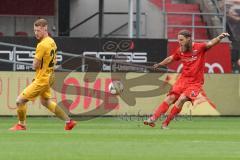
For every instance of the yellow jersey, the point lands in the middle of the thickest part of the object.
(46, 52)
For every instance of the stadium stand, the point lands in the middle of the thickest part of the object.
(233, 23)
(182, 15)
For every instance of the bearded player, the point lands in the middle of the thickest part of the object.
(44, 62)
(188, 86)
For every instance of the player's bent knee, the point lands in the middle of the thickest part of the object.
(181, 100)
(170, 99)
(44, 101)
(20, 101)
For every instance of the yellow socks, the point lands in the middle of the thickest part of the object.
(52, 106)
(22, 113)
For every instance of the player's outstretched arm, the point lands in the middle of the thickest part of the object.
(166, 61)
(216, 40)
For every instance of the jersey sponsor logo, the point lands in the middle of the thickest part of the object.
(194, 52)
(189, 59)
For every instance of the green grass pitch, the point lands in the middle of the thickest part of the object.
(203, 138)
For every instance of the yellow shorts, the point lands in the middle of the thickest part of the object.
(34, 90)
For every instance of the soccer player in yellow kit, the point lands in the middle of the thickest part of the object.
(44, 63)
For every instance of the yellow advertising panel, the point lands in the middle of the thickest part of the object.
(88, 93)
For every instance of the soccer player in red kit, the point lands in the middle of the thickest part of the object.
(188, 86)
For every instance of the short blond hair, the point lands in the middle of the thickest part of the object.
(41, 22)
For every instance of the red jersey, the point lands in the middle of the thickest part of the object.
(193, 63)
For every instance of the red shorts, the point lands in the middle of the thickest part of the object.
(189, 90)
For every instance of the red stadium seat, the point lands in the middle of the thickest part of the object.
(183, 19)
(200, 33)
(21, 33)
(49, 34)
(182, 8)
(159, 3)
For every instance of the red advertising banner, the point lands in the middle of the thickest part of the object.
(218, 58)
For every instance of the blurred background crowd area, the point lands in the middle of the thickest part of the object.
(153, 19)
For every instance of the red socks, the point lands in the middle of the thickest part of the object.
(160, 110)
(175, 110)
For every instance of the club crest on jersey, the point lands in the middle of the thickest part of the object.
(195, 52)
